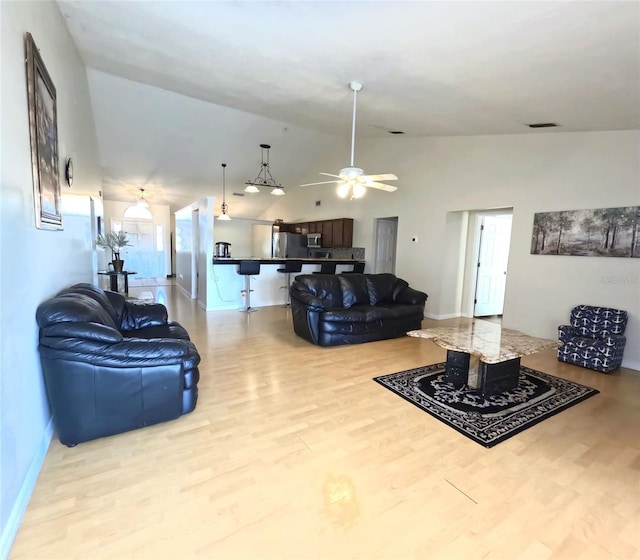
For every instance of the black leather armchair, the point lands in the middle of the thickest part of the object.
(111, 365)
(351, 308)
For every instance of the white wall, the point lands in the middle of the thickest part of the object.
(240, 233)
(529, 173)
(35, 264)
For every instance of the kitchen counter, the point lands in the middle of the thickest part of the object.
(267, 287)
(304, 260)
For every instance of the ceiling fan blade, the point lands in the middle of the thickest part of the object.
(320, 183)
(330, 175)
(381, 186)
(383, 177)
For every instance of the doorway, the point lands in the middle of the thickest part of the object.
(386, 235)
(493, 235)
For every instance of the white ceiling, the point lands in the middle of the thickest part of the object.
(429, 69)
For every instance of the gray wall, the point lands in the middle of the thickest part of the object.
(35, 264)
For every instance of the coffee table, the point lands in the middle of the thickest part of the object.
(483, 355)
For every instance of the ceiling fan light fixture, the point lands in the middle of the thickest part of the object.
(264, 178)
(139, 210)
(224, 214)
(358, 191)
(343, 190)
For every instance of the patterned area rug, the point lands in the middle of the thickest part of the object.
(492, 419)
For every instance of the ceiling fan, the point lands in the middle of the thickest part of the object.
(352, 180)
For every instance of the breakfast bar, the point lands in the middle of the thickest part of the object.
(267, 286)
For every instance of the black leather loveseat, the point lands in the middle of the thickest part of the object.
(111, 365)
(332, 309)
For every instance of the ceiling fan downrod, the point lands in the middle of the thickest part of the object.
(355, 87)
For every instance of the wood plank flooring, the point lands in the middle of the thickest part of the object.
(294, 452)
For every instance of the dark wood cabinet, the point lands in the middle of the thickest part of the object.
(336, 233)
(327, 233)
(342, 232)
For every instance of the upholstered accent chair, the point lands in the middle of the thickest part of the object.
(594, 339)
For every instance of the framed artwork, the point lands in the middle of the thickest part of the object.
(43, 130)
(603, 232)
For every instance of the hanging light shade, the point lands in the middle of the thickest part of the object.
(264, 178)
(224, 215)
(139, 210)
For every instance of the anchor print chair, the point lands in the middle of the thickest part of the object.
(595, 339)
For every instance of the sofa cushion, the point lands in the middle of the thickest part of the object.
(325, 287)
(354, 290)
(74, 308)
(370, 313)
(169, 330)
(380, 288)
(95, 294)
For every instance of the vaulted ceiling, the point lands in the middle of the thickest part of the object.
(237, 74)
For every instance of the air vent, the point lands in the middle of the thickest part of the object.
(238, 194)
(396, 132)
(543, 125)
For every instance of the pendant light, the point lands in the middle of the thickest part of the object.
(264, 178)
(224, 216)
(139, 210)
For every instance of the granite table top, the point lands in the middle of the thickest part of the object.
(489, 341)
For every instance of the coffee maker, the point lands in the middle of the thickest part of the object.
(223, 250)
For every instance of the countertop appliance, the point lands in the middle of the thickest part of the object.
(288, 245)
(223, 250)
(314, 240)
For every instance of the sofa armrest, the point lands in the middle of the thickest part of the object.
(307, 299)
(141, 315)
(567, 332)
(409, 296)
(128, 353)
(87, 331)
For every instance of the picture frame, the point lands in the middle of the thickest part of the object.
(43, 132)
(599, 232)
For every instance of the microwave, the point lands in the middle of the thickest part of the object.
(314, 240)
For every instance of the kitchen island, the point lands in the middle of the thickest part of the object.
(267, 286)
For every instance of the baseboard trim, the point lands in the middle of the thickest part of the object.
(184, 292)
(631, 365)
(10, 530)
(441, 317)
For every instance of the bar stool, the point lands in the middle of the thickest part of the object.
(289, 267)
(327, 268)
(358, 268)
(248, 269)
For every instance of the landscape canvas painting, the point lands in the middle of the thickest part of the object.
(604, 232)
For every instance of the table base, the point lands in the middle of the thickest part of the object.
(465, 369)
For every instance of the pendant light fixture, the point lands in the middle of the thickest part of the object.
(224, 216)
(139, 210)
(264, 178)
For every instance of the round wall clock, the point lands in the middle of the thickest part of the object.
(69, 172)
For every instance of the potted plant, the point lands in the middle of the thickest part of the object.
(114, 240)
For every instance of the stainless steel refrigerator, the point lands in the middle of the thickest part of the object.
(289, 245)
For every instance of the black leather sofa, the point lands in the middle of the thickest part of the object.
(111, 365)
(332, 309)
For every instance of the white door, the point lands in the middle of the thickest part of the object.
(145, 255)
(385, 251)
(495, 237)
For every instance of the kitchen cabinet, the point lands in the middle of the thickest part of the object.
(342, 232)
(336, 234)
(327, 233)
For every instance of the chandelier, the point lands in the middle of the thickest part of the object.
(139, 210)
(223, 215)
(264, 178)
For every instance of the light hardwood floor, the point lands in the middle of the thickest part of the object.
(294, 452)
